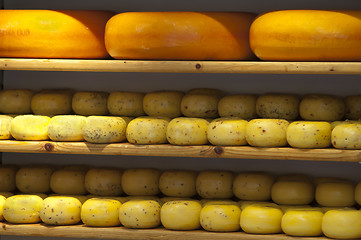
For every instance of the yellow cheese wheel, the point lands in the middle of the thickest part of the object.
(68, 181)
(5, 124)
(163, 103)
(34, 179)
(342, 224)
(307, 35)
(60, 210)
(181, 214)
(200, 105)
(90, 103)
(178, 183)
(347, 136)
(353, 107)
(292, 192)
(103, 181)
(8, 177)
(51, 102)
(100, 212)
(126, 104)
(66, 128)
(179, 35)
(335, 194)
(215, 184)
(229, 131)
(53, 34)
(220, 217)
(16, 101)
(279, 106)
(238, 105)
(30, 127)
(22, 209)
(140, 181)
(2, 202)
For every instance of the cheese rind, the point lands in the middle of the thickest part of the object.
(100, 212)
(22, 209)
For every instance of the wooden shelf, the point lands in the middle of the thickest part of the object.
(81, 231)
(166, 150)
(258, 67)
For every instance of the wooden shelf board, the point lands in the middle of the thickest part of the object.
(208, 151)
(81, 231)
(261, 67)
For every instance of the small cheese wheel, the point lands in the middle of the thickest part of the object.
(253, 186)
(267, 132)
(163, 104)
(8, 178)
(179, 35)
(104, 181)
(140, 214)
(353, 107)
(215, 184)
(293, 192)
(178, 183)
(239, 105)
(52, 102)
(220, 217)
(67, 181)
(16, 101)
(2, 202)
(302, 222)
(181, 214)
(227, 131)
(342, 224)
(147, 130)
(126, 104)
(140, 181)
(335, 194)
(5, 124)
(347, 136)
(105, 129)
(22, 209)
(261, 219)
(100, 212)
(60, 210)
(66, 128)
(309, 134)
(30, 127)
(278, 106)
(187, 131)
(200, 105)
(34, 179)
(90, 103)
(358, 193)
(322, 107)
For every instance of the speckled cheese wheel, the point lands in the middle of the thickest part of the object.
(178, 183)
(2, 202)
(347, 136)
(215, 184)
(90, 103)
(104, 181)
(16, 101)
(358, 193)
(34, 179)
(353, 107)
(278, 106)
(267, 132)
(60, 210)
(67, 181)
(335, 194)
(7, 178)
(140, 214)
(309, 134)
(30, 127)
(227, 131)
(163, 104)
(200, 105)
(253, 186)
(22, 209)
(52, 102)
(147, 130)
(140, 181)
(239, 105)
(66, 128)
(342, 224)
(220, 217)
(126, 104)
(5, 124)
(292, 192)
(100, 212)
(181, 214)
(187, 131)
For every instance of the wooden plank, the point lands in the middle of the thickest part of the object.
(260, 67)
(208, 151)
(81, 231)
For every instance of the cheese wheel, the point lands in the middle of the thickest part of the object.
(178, 183)
(200, 105)
(100, 212)
(90, 103)
(215, 184)
(353, 107)
(16, 101)
(335, 194)
(220, 217)
(163, 104)
(30, 127)
(181, 214)
(67, 181)
(5, 124)
(140, 181)
(229, 131)
(147, 130)
(51, 102)
(292, 192)
(179, 35)
(140, 214)
(7, 178)
(34, 179)
(239, 105)
(272, 105)
(2, 202)
(66, 128)
(126, 104)
(60, 210)
(22, 209)
(309, 134)
(342, 224)
(307, 35)
(347, 136)
(53, 34)
(104, 181)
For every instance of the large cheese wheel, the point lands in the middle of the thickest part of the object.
(22, 209)
(52, 102)
(100, 212)
(34, 179)
(342, 224)
(141, 181)
(307, 35)
(30, 127)
(163, 104)
(15, 101)
(273, 105)
(68, 181)
(104, 181)
(66, 128)
(178, 183)
(179, 35)
(215, 184)
(53, 34)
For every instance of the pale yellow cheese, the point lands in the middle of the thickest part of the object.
(88, 103)
(178, 183)
(240, 105)
(34, 179)
(335, 194)
(30, 127)
(342, 224)
(278, 106)
(100, 212)
(292, 192)
(5, 124)
(163, 103)
(140, 214)
(140, 181)
(215, 184)
(104, 181)
(200, 105)
(126, 104)
(7, 177)
(22, 209)
(66, 128)
(220, 217)
(60, 210)
(51, 102)
(227, 131)
(68, 182)
(347, 136)
(16, 101)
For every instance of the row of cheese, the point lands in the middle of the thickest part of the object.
(182, 35)
(200, 102)
(256, 186)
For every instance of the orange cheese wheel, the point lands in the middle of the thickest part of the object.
(53, 34)
(307, 35)
(179, 35)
